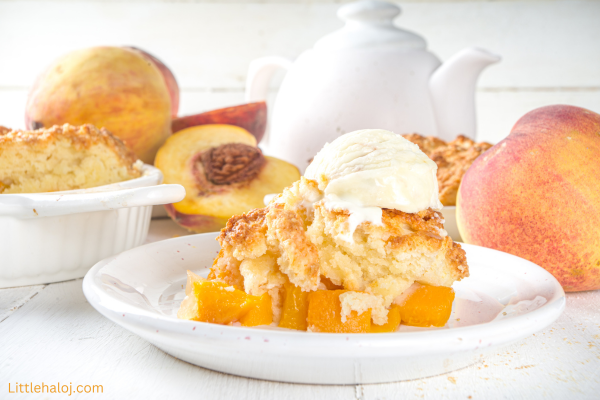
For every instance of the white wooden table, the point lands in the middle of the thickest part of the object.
(49, 334)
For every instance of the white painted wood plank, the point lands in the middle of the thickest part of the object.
(544, 43)
(165, 228)
(12, 299)
(12, 107)
(206, 45)
(58, 336)
(194, 102)
(561, 362)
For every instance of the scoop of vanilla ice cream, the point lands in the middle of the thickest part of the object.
(376, 168)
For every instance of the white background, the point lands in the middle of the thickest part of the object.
(550, 49)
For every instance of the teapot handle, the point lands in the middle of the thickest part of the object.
(260, 72)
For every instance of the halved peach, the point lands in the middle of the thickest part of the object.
(224, 174)
(250, 116)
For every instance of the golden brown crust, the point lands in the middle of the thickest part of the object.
(246, 234)
(427, 221)
(298, 257)
(4, 130)
(227, 270)
(452, 158)
(272, 229)
(83, 136)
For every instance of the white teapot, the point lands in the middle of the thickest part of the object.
(369, 74)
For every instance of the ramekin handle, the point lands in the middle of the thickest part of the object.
(37, 205)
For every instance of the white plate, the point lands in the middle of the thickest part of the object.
(505, 299)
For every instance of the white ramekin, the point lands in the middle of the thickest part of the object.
(51, 237)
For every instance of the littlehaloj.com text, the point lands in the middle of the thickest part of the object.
(57, 387)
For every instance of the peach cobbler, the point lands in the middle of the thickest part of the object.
(357, 245)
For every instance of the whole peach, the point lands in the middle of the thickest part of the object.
(536, 194)
(111, 87)
(169, 78)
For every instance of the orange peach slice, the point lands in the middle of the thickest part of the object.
(261, 312)
(427, 306)
(295, 308)
(325, 314)
(219, 303)
(392, 324)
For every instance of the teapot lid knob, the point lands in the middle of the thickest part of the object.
(369, 12)
(370, 23)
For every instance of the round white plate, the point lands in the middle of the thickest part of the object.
(505, 299)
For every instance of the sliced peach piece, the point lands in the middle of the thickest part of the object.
(223, 172)
(261, 312)
(392, 324)
(219, 303)
(427, 306)
(295, 308)
(329, 284)
(325, 314)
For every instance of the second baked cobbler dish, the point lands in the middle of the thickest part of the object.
(357, 245)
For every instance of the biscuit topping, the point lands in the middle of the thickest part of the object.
(232, 163)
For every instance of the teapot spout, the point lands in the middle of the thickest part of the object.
(452, 88)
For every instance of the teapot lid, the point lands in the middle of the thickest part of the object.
(370, 23)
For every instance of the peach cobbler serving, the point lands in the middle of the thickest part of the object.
(357, 245)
